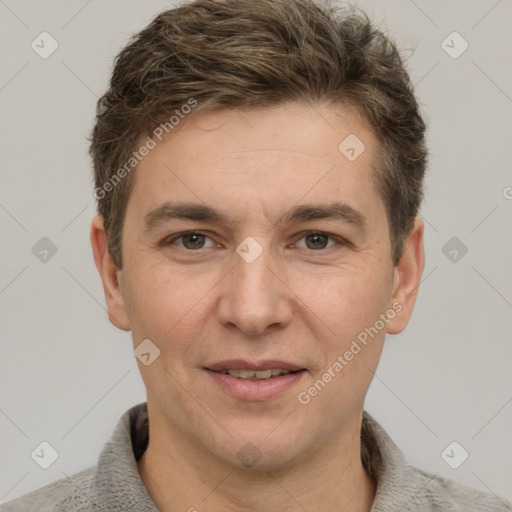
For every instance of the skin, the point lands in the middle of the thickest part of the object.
(296, 302)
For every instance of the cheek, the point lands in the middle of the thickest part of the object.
(349, 299)
(167, 306)
(352, 342)
(165, 310)
(346, 313)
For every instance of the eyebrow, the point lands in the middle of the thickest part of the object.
(168, 211)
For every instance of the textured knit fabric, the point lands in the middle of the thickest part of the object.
(114, 484)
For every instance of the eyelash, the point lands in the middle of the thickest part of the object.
(341, 241)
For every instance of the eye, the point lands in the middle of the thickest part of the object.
(194, 240)
(191, 240)
(317, 240)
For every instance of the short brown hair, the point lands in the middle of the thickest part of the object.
(246, 54)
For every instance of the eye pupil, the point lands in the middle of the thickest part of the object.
(194, 245)
(317, 237)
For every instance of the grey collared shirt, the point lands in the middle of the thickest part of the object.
(114, 484)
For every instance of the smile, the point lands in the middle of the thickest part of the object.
(256, 374)
(255, 381)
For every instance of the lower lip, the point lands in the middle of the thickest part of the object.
(256, 390)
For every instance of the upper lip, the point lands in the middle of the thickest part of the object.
(241, 364)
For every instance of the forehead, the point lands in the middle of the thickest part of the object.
(265, 159)
(311, 132)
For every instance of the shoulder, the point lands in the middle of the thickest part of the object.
(403, 487)
(65, 495)
(427, 491)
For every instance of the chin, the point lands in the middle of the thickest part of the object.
(250, 458)
(266, 450)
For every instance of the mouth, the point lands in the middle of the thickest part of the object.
(247, 374)
(255, 381)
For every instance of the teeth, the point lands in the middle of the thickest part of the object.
(264, 374)
(246, 374)
(256, 375)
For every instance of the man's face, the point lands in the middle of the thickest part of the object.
(262, 289)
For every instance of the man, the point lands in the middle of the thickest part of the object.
(259, 169)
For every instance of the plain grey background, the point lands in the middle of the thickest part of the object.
(67, 375)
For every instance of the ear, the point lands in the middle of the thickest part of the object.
(109, 274)
(407, 278)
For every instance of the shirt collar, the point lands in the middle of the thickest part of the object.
(117, 475)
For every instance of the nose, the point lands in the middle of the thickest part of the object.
(254, 295)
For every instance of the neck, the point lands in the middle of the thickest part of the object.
(177, 478)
